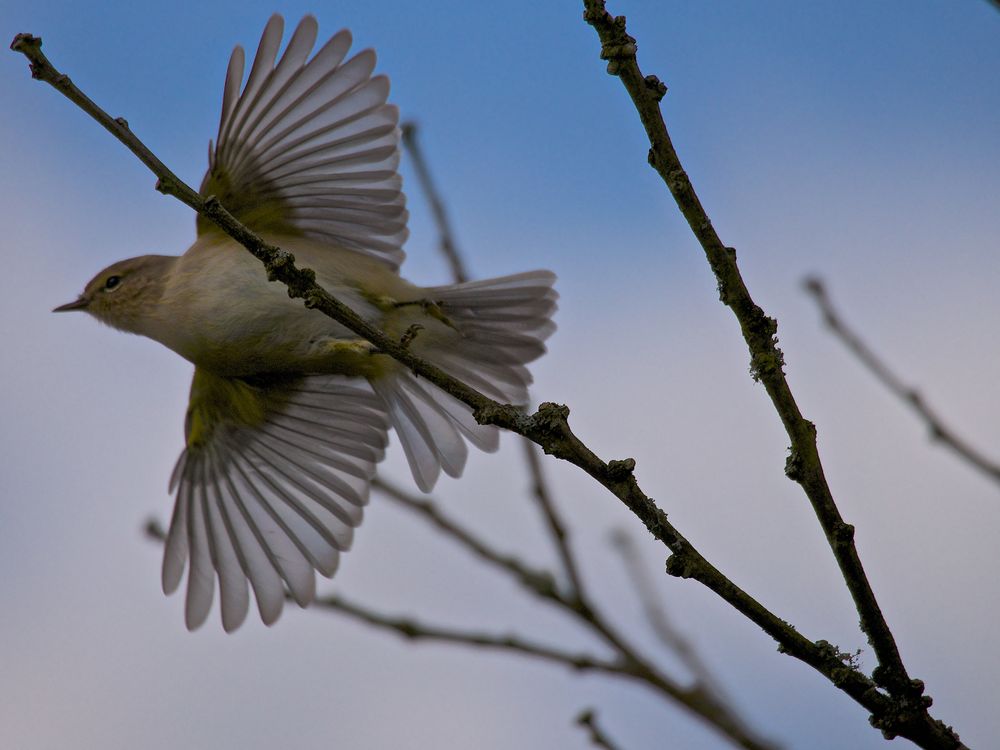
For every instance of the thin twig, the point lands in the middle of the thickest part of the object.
(657, 616)
(705, 702)
(588, 720)
(907, 715)
(548, 426)
(449, 247)
(909, 395)
(553, 521)
(414, 630)
(696, 699)
(537, 581)
(447, 241)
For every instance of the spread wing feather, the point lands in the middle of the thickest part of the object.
(310, 147)
(270, 502)
(497, 327)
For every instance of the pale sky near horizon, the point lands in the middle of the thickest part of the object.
(857, 141)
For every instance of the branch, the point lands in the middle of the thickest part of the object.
(588, 720)
(414, 630)
(657, 617)
(701, 699)
(451, 252)
(548, 427)
(447, 241)
(537, 581)
(908, 714)
(909, 395)
(554, 523)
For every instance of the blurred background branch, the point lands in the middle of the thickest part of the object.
(938, 430)
(598, 738)
(445, 235)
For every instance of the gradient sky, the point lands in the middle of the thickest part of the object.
(855, 140)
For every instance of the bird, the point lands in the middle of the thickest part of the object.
(289, 411)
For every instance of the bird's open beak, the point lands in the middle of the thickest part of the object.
(78, 304)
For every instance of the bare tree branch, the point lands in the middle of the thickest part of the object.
(548, 426)
(557, 529)
(537, 581)
(907, 713)
(447, 241)
(909, 395)
(588, 720)
(449, 247)
(700, 701)
(694, 699)
(658, 619)
(414, 630)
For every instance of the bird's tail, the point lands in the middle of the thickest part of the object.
(491, 330)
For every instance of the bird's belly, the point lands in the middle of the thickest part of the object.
(238, 324)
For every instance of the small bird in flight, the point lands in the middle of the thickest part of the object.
(289, 410)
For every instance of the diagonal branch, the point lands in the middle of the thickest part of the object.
(767, 361)
(910, 718)
(694, 699)
(414, 630)
(909, 395)
(553, 521)
(549, 426)
(447, 241)
(537, 581)
(657, 617)
(598, 738)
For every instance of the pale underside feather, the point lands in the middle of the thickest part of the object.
(271, 503)
(499, 326)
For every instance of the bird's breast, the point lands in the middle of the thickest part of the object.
(220, 312)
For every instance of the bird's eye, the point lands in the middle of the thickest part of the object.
(112, 282)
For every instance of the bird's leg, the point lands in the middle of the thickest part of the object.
(411, 333)
(332, 347)
(430, 308)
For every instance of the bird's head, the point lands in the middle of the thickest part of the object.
(125, 293)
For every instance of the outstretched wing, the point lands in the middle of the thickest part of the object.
(269, 489)
(310, 147)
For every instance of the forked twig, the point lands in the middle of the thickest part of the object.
(701, 698)
(908, 715)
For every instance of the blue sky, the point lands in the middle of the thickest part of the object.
(856, 140)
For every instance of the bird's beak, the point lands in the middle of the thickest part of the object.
(78, 304)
